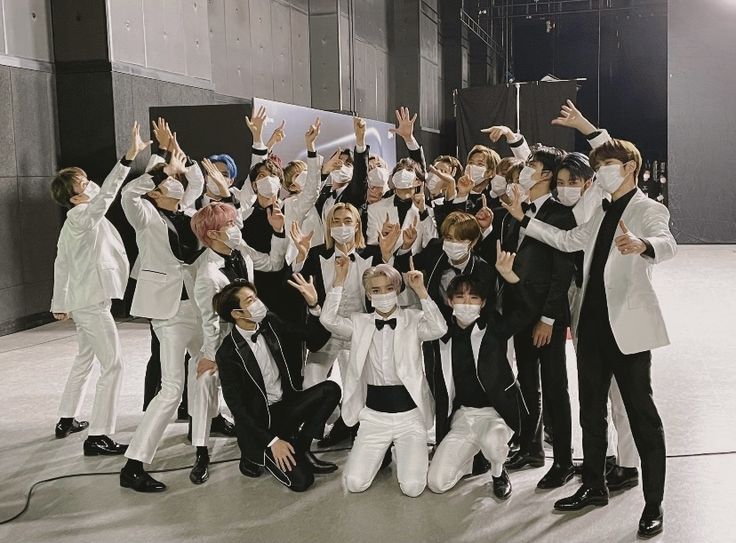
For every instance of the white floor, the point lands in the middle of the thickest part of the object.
(694, 380)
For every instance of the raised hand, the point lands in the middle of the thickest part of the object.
(305, 288)
(255, 125)
(275, 218)
(420, 200)
(303, 242)
(277, 137)
(311, 135)
(386, 226)
(495, 133)
(223, 188)
(627, 243)
(359, 129)
(415, 280)
(162, 133)
(334, 163)
(178, 159)
(136, 143)
(342, 265)
(464, 185)
(484, 215)
(571, 117)
(405, 124)
(409, 235)
(514, 206)
(387, 238)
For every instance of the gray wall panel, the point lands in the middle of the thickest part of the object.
(37, 296)
(324, 59)
(127, 32)
(34, 114)
(371, 22)
(218, 43)
(300, 58)
(11, 265)
(701, 175)
(196, 37)
(12, 304)
(28, 29)
(281, 60)
(7, 134)
(122, 91)
(344, 52)
(38, 264)
(2, 29)
(261, 48)
(165, 42)
(362, 98)
(80, 30)
(238, 55)
(384, 109)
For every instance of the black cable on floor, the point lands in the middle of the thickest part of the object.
(100, 473)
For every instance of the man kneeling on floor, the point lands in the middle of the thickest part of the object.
(385, 386)
(275, 420)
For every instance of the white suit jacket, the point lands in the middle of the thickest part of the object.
(426, 229)
(210, 280)
(413, 326)
(160, 273)
(633, 308)
(91, 265)
(300, 208)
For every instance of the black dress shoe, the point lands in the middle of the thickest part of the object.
(200, 472)
(480, 465)
(181, 414)
(557, 476)
(521, 459)
(102, 446)
(63, 429)
(338, 433)
(622, 478)
(319, 467)
(222, 426)
(250, 469)
(502, 486)
(583, 497)
(610, 463)
(651, 522)
(140, 481)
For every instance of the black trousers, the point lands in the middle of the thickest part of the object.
(152, 380)
(298, 419)
(549, 361)
(598, 359)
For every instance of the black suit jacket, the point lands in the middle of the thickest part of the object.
(356, 190)
(242, 380)
(545, 272)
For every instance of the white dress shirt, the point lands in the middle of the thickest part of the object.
(352, 293)
(380, 367)
(269, 369)
(539, 202)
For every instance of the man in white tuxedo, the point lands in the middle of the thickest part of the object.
(90, 269)
(385, 387)
(618, 321)
(164, 288)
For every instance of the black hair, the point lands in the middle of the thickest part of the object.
(348, 152)
(466, 283)
(577, 164)
(549, 157)
(225, 301)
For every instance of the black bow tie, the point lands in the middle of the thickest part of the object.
(351, 256)
(526, 207)
(390, 322)
(257, 333)
(606, 204)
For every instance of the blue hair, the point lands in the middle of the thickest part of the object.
(227, 160)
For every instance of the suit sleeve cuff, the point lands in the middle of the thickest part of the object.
(649, 251)
(311, 154)
(159, 177)
(525, 221)
(315, 311)
(487, 232)
(360, 149)
(518, 142)
(125, 162)
(274, 440)
(548, 321)
(412, 144)
(259, 149)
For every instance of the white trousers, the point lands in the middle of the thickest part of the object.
(376, 434)
(319, 363)
(182, 332)
(203, 400)
(620, 439)
(472, 430)
(97, 336)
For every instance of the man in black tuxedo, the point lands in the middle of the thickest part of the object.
(545, 276)
(275, 419)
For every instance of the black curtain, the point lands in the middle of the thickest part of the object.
(539, 104)
(482, 107)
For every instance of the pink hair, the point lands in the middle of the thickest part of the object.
(213, 216)
(389, 272)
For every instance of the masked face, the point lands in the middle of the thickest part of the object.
(384, 302)
(91, 190)
(404, 179)
(343, 234)
(476, 173)
(172, 188)
(610, 177)
(268, 186)
(456, 250)
(498, 186)
(378, 177)
(569, 196)
(233, 237)
(526, 178)
(257, 311)
(466, 313)
(433, 182)
(342, 175)
(298, 182)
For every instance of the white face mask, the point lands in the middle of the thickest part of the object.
(433, 181)
(257, 310)
(378, 177)
(300, 180)
(213, 188)
(523, 193)
(466, 313)
(341, 175)
(476, 173)
(609, 178)
(404, 179)
(456, 250)
(268, 186)
(343, 234)
(525, 177)
(569, 196)
(233, 237)
(384, 302)
(498, 186)
(91, 190)
(174, 188)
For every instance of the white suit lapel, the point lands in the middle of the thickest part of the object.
(476, 338)
(328, 270)
(446, 361)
